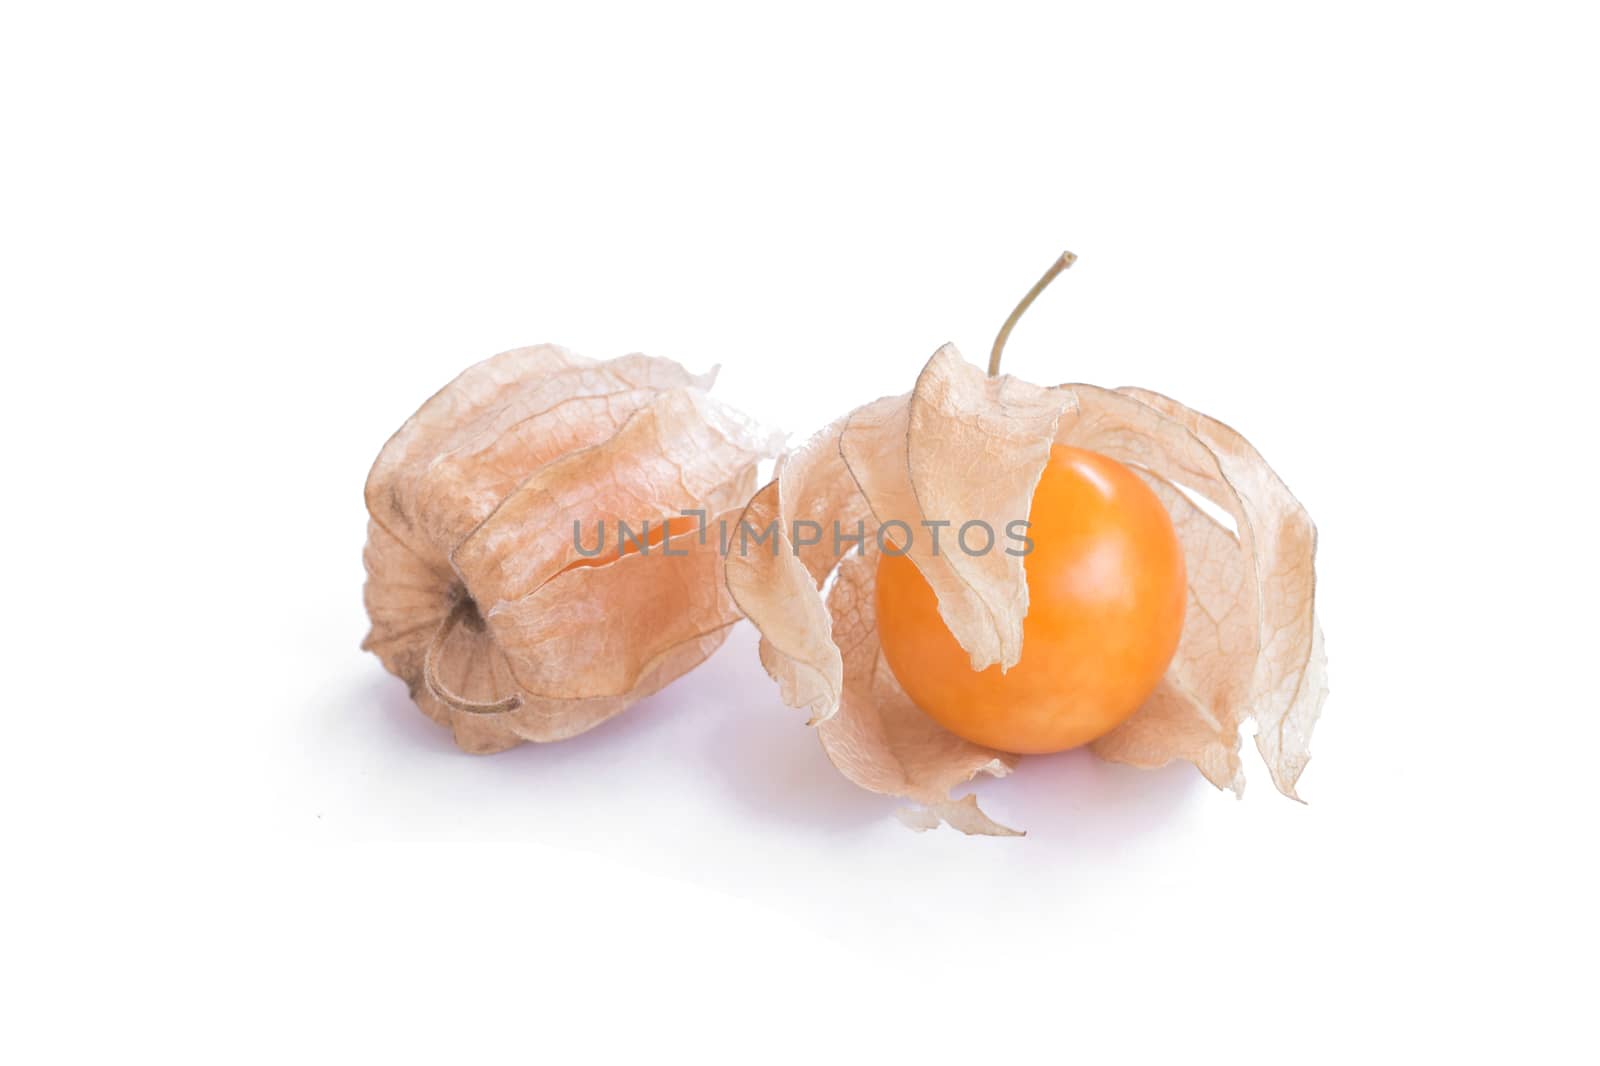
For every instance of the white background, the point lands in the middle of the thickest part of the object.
(241, 244)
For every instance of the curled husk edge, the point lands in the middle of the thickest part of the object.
(478, 596)
(963, 446)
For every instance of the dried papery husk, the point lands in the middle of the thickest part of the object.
(961, 447)
(478, 595)
(1288, 675)
(810, 483)
(880, 739)
(964, 446)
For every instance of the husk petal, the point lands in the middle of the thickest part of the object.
(880, 739)
(962, 448)
(1289, 675)
(781, 589)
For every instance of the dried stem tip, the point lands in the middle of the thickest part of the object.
(1066, 260)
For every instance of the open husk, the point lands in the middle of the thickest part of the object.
(479, 597)
(965, 446)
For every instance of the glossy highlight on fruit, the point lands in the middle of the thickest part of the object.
(1107, 589)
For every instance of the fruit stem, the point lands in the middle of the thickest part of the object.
(1066, 260)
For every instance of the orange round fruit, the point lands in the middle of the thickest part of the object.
(1106, 594)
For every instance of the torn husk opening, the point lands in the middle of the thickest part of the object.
(1250, 649)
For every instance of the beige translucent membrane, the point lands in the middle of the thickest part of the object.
(879, 739)
(1288, 670)
(963, 447)
(782, 589)
(472, 588)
